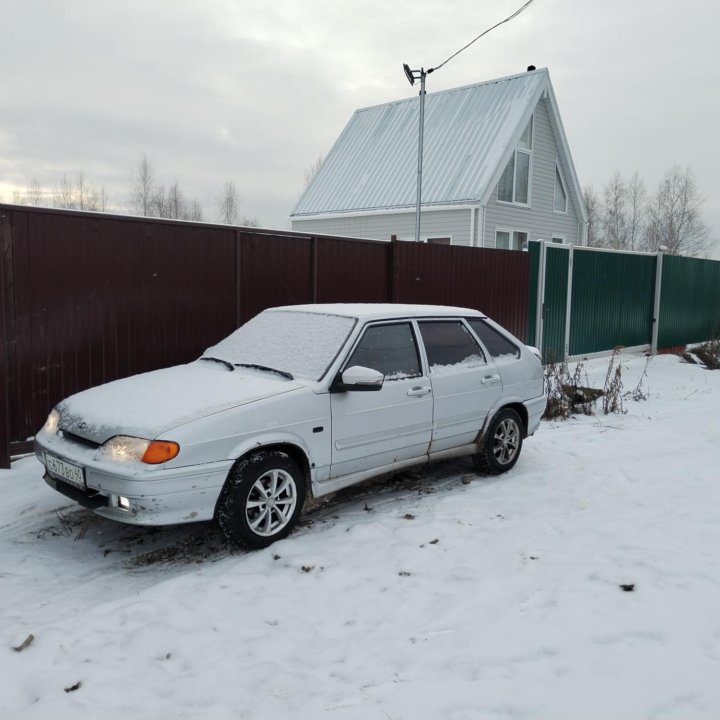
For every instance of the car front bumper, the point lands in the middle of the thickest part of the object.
(136, 494)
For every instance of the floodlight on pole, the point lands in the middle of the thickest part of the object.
(412, 76)
(421, 74)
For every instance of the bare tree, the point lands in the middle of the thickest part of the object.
(64, 195)
(143, 190)
(194, 211)
(81, 192)
(246, 221)
(636, 211)
(313, 170)
(229, 204)
(675, 216)
(614, 218)
(34, 192)
(158, 202)
(176, 203)
(594, 213)
(96, 199)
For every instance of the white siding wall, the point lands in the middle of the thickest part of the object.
(434, 223)
(539, 220)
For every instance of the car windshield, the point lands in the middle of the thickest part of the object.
(303, 344)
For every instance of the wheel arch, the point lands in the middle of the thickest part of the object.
(521, 410)
(516, 405)
(297, 452)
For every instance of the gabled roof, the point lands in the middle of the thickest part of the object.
(469, 133)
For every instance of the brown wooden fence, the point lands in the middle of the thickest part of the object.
(88, 298)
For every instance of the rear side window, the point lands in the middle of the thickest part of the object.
(449, 345)
(389, 349)
(497, 344)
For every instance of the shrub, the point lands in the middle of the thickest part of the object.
(612, 396)
(709, 354)
(566, 392)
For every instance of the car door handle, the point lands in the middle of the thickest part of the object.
(419, 391)
(490, 379)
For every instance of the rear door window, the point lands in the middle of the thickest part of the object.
(496, 343)
(449, 345)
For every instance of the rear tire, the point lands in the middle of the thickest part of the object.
(502, 445)
(261, 500)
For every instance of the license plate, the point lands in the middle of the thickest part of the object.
(65, 471)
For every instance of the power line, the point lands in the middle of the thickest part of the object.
(507, 19)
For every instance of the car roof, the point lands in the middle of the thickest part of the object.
(382, 311)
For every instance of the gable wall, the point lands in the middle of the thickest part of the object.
(539, 220)
(455, 223)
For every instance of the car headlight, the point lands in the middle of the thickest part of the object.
(152, 452)
(52, 423)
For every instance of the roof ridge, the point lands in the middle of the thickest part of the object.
(413, 98)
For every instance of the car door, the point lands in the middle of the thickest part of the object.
(378, 428)
(519, 382)
(466, 384)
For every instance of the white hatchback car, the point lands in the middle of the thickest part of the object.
(302, 400)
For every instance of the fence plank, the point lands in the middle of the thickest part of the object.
(689, 301)
(96, 297)
(492, 281)
(5, 308)
(612, 300)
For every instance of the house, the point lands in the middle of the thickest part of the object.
(497, 170)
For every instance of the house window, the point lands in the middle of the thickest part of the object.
(514, 183)
(510, 239)
(560, 199)
(558, 240)
(439, 241)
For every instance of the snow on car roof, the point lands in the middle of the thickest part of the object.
(376, 311)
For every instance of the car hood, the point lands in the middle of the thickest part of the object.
(148, 405)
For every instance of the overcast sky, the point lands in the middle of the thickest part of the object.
(254, 91)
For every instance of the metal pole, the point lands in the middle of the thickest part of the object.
(656, 302)
(420, 153)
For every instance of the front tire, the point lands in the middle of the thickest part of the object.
(502, 445)
(261, 500)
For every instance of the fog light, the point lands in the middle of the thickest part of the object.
(123, 502)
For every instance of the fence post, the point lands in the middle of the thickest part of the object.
(392, 252)
(656, 304)
(540, 309)
(568, 307)
(4, 307)
(314, 268)
(238, 278)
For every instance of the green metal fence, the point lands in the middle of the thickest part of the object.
(689, 301)
(590, 301)
(554, 312)
(612, 300)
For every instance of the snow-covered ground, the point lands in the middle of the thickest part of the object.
(436, 594)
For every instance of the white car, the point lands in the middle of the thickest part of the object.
(301, 400)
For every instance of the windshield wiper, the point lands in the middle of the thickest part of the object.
(226, 363)
(284, 373)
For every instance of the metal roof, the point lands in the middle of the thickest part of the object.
(468, 133)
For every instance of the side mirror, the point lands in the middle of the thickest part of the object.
(359, 378)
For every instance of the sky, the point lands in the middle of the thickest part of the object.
(254, 92)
